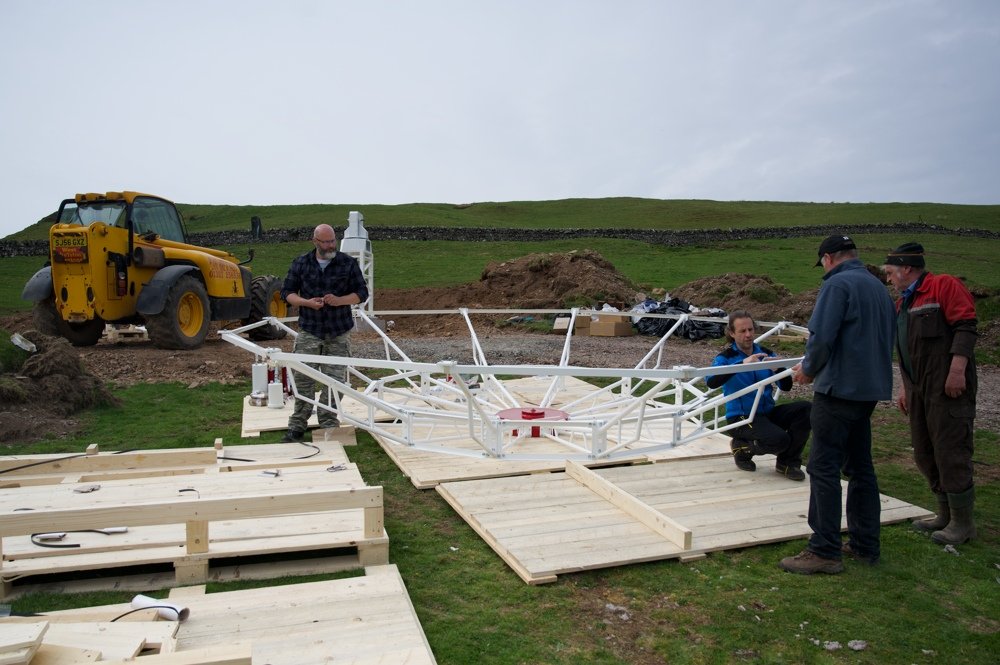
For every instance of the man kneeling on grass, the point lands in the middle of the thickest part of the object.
(780, 430)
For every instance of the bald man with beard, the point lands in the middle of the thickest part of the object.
(323, 283)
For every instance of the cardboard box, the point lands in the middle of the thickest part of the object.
(611, 328)
(580, 327)
(609, 317)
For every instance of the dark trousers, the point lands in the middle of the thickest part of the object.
(842, 442)
(941, 430)
(783, 432)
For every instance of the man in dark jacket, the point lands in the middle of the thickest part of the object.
(323, 284)
(936, 336)
(848, 360)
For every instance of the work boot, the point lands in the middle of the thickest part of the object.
(743, 454)
(939, 521)
(293, 436)
(808, 562)
(790, 472)
(848, 550)
(961, 528)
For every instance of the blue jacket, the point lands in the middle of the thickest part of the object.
(740, 408)
(851, 334)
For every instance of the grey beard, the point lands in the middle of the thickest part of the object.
(326, 255)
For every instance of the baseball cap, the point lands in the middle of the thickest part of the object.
(834, 244)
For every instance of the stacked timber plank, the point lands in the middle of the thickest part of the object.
(366, 619)
(199, 513)
(117, 333)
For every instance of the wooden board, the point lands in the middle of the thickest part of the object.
(118, 640)
(258, 419)
(20, 641)
(95, 466)
(366, 619)
(547, 525)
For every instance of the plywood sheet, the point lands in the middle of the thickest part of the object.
(547, 525)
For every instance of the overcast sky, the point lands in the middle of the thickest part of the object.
(299, 101)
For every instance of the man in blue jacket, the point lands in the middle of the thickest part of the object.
(848, 360)
(774, 430)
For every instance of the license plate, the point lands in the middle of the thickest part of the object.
(70, 241)
(69, 249)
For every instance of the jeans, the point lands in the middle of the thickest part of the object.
(842, 442)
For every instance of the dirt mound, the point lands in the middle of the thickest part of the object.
(760, 295)
(582, 278)
(51, 385)
(537, 281)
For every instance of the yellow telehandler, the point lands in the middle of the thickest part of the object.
(123, 258)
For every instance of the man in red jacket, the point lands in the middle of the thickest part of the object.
(936, 335)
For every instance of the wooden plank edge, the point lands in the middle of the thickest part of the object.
(526, 575)
(674, 532)
(390, 569)
(235, 654)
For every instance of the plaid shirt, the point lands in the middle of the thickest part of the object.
(341, 277)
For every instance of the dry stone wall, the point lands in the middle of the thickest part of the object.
(653, 236)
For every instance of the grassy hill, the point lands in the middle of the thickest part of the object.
(625, 213)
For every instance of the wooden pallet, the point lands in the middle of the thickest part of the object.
(115, 334)
(202, 524)
(547, 525)
(367, 619)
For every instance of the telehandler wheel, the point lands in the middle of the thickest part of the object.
(87, 333)
(46, 318)
(47, 321)
(183, 323)
(266, 300)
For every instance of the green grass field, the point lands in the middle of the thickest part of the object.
(618, 213)
(922, 604)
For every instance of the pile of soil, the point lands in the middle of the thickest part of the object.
(764, 298)
(51, 386)
(537, 281)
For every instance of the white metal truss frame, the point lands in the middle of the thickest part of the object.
(451, 407)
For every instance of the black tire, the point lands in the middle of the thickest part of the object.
(184, 321)
(46, 318)
(266, 300)
(87, 333)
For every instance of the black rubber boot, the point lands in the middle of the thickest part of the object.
(743, 451)
(939, 521)
(293, 436)
(961, 528)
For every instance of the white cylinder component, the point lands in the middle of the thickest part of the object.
(259, 373)
(275, 395)
(165, 609)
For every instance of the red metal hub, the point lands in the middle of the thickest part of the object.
(532, 413)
